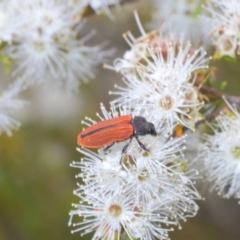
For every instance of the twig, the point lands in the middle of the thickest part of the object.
(209, 117)
(213, 94)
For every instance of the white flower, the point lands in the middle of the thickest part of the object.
(141, 172)
(47, 45)
(8, 22)
(221, 154)
(8, 104)
(109, 214)
(159, 74)
(103, 5)
(97, 169)
(169, 104)
(98, 6)
(225, 17)
(182, 18)
(143, 192)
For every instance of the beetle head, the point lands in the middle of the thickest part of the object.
(143, 127)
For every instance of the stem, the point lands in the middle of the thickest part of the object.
(209, 117)
(213, 94)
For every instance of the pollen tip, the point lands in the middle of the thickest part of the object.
(126, 33)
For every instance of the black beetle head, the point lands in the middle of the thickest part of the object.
(143, 127)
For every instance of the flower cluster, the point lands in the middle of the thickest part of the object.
(143, 193)
(220, 152)
(225, 26)
(160, 74)
(181, 17)
(8, 103)
(140, 193)
(43, 37)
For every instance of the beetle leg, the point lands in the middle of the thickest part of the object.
(124, 149)
(107, 147)
(126, 146)
(141, 144)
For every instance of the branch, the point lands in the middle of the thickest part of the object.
(209, 117)
(213, 94)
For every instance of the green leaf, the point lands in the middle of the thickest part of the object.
(6, 62)
(223, 85)
(230, 59)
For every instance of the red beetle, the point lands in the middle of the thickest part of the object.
(107, 132)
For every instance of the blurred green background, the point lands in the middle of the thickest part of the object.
(36, 181)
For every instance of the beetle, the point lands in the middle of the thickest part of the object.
(107, 132)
